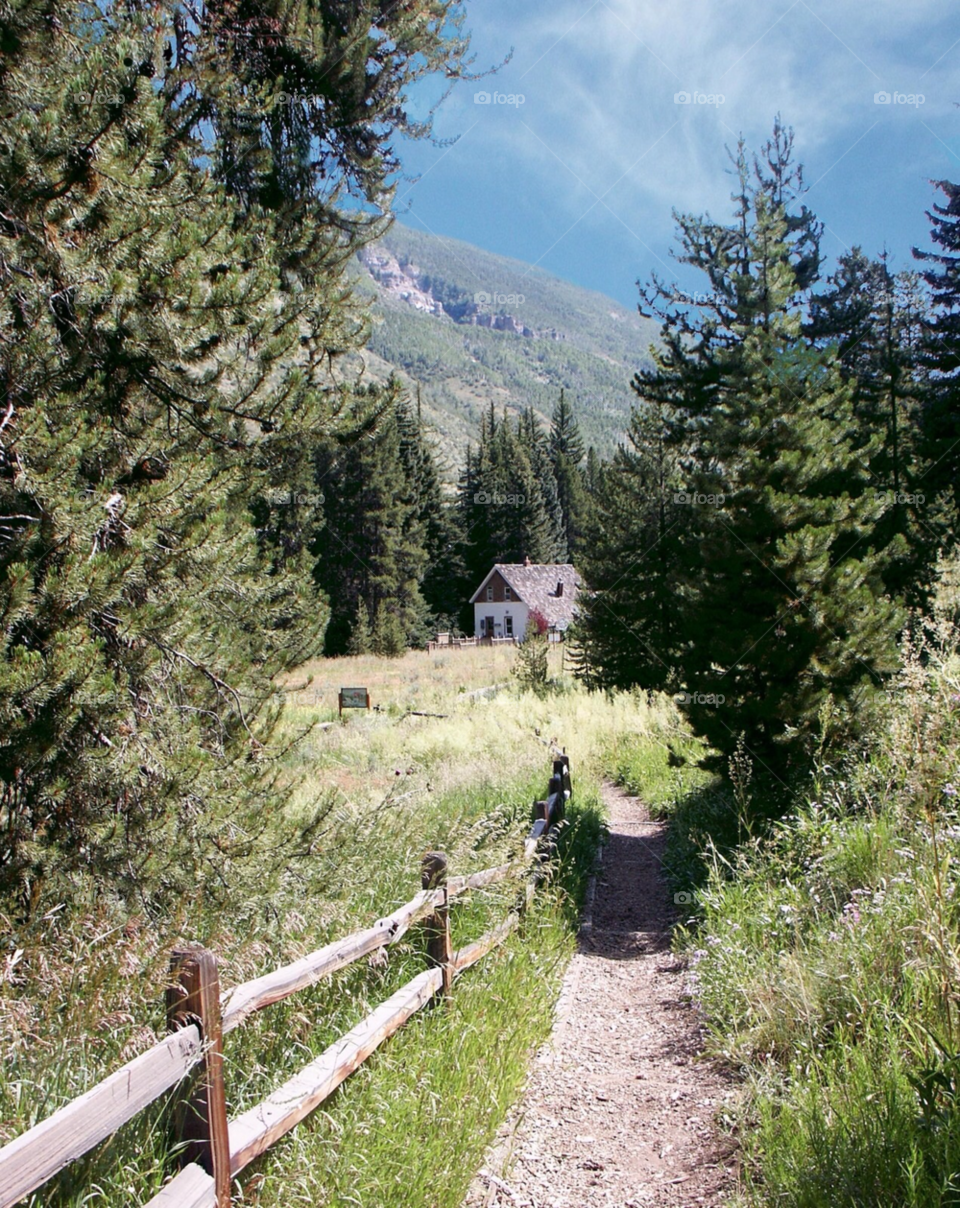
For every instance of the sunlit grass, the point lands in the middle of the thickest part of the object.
(824, 950)
(85, 992)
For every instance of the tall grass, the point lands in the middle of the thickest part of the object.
(824, 952)
(81, 987)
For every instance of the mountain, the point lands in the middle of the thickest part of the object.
(472, 328)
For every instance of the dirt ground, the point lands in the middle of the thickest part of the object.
(619, 1108)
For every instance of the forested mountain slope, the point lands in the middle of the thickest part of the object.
(472, 328)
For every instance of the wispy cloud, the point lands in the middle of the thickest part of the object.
(599, 82)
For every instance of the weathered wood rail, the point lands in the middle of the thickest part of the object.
(450, 643)
(212, 1149)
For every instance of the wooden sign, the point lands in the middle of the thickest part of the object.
(354, 698)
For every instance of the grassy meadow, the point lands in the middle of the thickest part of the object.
(81, 989)
(821, 934)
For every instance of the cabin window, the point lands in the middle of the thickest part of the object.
(508, 623)
(490, 592)
(507, 593)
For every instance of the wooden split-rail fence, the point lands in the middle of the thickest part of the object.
(212, 1149)
(439, 643)
(443, 641)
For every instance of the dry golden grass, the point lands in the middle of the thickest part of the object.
(85, 990)
(475, 740)
(418, 680)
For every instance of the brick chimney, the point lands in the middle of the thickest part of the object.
(527, 562)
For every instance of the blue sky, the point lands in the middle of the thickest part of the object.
(581, 177)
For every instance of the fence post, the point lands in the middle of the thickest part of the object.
(201, 1115)
(564, 761)
(433, 875)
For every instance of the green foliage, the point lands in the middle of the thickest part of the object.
(530, 669)
(360, 635)
(381, 494)
(566, 456)
(823, 954)
(174, 291)
(633, 561)
(733, 555)
(875, 322)
(940, 350)
(387, 638)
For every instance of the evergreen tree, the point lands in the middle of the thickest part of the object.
(388, 638)
(501, 508)
(168, 317)
(531, 666)
(536, 446)
(941, 349)
(566, 455)
(627, 631)
(443, 585)
(360, 634)
(372, 546)
(778, 595)
(873, 319)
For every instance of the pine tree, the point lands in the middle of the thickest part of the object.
(627, 631)
(372, 545)
(874, 320)
(502, 512)
(778, 595)
(443, 585)
(360, 634)
(387, 639)
(531, 667)
(168, 317)
(536, 446)
(566, 455)
(941, 349)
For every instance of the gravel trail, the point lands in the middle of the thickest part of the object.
(619, 1106)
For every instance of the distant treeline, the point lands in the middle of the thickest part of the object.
(397, 558)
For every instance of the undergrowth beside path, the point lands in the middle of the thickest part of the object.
(823, 949)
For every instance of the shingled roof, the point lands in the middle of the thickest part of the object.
(536, 583)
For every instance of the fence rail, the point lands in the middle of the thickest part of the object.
(450, 643)
(212, 1148)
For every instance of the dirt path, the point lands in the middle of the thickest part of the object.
(618, 1109)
